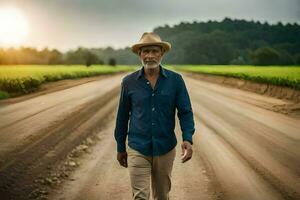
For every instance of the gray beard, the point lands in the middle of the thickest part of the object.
(150, 66)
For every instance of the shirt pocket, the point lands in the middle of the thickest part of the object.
(139, 101)
(165, 99)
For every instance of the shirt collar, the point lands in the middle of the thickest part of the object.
(162, 72)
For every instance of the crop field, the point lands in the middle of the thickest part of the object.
(282, 76)
(20, 79)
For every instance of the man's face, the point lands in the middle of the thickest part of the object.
(151, 56)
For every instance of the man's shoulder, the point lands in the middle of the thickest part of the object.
(130, 77)
(172, 73)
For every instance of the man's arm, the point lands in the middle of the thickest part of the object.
(185, 112)
(186, 119)
(122, 119)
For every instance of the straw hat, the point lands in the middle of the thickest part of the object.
(149, 39)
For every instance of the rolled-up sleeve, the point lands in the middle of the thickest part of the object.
(122, 119)
(185, 112)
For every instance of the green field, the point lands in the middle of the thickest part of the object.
(277, 75)
(20, 79)
(16, 80)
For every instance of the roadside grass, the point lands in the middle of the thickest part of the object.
(288, 76)
(3, 95)
(22, 79)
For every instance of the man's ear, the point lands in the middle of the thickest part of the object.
(162, 51)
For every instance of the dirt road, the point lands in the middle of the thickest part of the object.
(241, 149)
(36, 133)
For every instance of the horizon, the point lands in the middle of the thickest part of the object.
(119, 24)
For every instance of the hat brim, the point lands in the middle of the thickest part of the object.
(165, 45)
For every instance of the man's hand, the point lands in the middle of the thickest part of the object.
(187, 151)
(122, 158)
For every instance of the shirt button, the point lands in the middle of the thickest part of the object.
(152, 124)
(153, 94)
(153, 109)
(148, 82)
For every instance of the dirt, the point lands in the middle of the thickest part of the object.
(242, 148)
(101, 177)
(50, 87)
(32, 145)
(257, 146)
(292, 96)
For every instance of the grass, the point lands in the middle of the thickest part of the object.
(3, 95)
(288, 76)
(21, 79)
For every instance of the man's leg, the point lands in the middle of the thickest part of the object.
(140, 172)
(161, 175)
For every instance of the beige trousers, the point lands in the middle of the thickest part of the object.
(158, 168)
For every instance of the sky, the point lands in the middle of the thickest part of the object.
(68, 24)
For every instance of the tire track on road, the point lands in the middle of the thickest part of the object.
(19, 170)
(248, 143)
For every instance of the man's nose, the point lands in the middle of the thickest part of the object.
(150, 55)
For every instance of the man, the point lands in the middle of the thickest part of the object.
(148, 101)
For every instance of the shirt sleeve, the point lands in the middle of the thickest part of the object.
(185, 112)
(122, 119)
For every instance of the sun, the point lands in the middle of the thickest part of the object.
(13, 26)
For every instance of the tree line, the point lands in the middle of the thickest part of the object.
(27, 55)
(229, 41)
(232, 42)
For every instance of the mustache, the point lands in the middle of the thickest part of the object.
(150, 61)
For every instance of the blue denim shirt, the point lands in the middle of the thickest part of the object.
(150, 113)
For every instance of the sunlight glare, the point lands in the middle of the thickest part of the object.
(13, 26)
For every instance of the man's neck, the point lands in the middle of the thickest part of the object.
(152, 72)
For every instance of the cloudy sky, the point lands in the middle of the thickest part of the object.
(67, 24)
